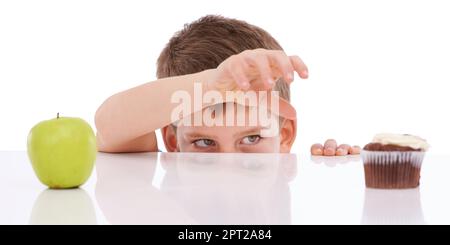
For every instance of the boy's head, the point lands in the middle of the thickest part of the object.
(203, 45)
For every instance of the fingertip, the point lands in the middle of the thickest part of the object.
(304, 74)
(317, 152)
(289, 77)
(317, 149)
(344, 146)
(269, 83)
(245, 85)
(341, 152)
(355, 150)
(330, 143)
(329, 152)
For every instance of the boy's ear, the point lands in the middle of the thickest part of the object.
(288, 132)
(169, 136)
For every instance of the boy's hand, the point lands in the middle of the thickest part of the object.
(257, 70)
(330, 148)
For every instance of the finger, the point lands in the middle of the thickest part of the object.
(355, 150)
(330, 143)
(283, 63)
(329, 151)
(299, 66)
(317, 149)
(237, 70)
(261, 63)
(341, 151)
(329, 147)
(346, 146)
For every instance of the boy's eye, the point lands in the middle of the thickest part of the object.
(251, 140)
(204, 143)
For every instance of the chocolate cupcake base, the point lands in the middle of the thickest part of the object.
(392, 170)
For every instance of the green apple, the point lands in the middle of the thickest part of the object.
(62, 151)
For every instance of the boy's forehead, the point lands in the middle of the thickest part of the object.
(232, 119)
(223, 132)
(219, 130)
(233, 108)
(229, 114)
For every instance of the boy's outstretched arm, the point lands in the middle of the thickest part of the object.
(126, 121)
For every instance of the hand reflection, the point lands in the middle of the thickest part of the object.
(196, 188)
(391, 207)
(333, 161)
(63, 207)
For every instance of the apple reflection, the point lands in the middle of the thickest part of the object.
(63, 207)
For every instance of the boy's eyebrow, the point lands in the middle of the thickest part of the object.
(250, 131)
(254, 130)
(199, 135)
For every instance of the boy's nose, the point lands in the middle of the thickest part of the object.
(228, 149)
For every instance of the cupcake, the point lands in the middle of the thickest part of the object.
(393, 161)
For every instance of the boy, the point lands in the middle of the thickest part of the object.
(212, 54)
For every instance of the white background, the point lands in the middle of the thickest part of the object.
(375, 66)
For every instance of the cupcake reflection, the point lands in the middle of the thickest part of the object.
(392, 207)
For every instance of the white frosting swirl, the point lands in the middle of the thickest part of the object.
(401, 140)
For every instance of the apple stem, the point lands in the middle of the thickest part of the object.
(57, 115)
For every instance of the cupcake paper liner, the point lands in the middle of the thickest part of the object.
(392, 169)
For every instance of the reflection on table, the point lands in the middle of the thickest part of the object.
(195, 188)
(392, 207)
(190, 188)
(63, 207)
(334, 161)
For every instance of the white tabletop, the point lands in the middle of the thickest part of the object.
(188, 188)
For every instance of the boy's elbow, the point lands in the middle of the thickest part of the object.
(108, 138)
(104, 131)
(102, 146)
(99, 121)
(105, 142)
